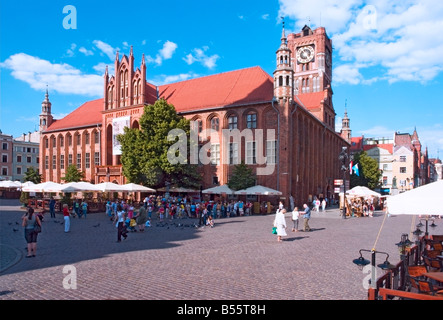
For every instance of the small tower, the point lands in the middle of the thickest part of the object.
(346, 127)
(46, 118)
(284, 74)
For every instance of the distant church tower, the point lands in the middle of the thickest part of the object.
(346, 127)
(284, 74)
(46, 118)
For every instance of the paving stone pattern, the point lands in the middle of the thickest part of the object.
(238, 259)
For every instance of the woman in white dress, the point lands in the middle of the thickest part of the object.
(280, 224)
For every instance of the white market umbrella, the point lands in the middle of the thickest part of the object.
(361, 191)
(110, 187)
(27, 184)
(259, 190)
(48, 186)
(10, 184)
(224, 189)
(133, 187)
(80, 186)
(418, 201)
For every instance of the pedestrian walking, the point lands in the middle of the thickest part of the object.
(29, 222)
(295, 216)
(323, 205)
(121, 227)
(141, 217)
(280, 224)
(306, 216)
(66, 217)
(84, 208)
(52, 207)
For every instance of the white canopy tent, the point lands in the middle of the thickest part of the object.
(224, 189)
(79, 186)
(110, 187)
(133, 187)
(48, 186)
(418, 201)
(361, 191)
(259, 190)
(10, 184)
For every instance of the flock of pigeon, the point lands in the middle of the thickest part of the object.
(163, 224)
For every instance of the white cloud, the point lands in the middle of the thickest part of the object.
(107, 49)
(199, 55)
(70, 52)
(165, 53)
(265, 16)
(60, 77)
(85, 51)
(402, 39)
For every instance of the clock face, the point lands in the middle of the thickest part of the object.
(305, 54)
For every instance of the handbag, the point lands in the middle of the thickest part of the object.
(37, 228)
(274, 230)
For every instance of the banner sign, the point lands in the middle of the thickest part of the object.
(118, 126)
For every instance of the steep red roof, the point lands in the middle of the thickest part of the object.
(356, 144)
(312, 100)
(220, 90)
(88, 114)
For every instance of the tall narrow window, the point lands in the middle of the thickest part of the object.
(62, 161)
(215, 124)
(250, 152)
(233, 153)
(215, 153)
(232, 122)
(251, 121)
(97, 158)
(79, 160)
(271, 151)
(87, 160)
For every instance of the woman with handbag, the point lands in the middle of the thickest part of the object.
(30, 221)
(280, 224)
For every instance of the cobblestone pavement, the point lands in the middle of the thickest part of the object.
(238, 259)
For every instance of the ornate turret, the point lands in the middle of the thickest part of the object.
(46, 118)
(283, 75)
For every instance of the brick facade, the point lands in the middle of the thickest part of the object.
(293, 108)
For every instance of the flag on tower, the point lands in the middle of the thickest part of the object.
(350, 167)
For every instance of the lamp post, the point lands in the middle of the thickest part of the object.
(361, 262)
(343, 156)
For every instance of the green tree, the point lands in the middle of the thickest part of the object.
(145, 150)
(73, 174)
(369, 173)
(32, 175)
(242, 177)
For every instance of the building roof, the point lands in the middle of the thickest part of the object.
(387, 146)
(250, 85)
(312, 100)
(88, 114)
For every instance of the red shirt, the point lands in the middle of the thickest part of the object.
(65, 212)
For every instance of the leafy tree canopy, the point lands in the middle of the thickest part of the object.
(73, 174)
(145, 150)
(369, 173)
(32, 175)
(242, 177)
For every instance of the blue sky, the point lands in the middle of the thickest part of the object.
(388, 61)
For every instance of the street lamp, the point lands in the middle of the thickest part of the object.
(361, 262)
(343, 156)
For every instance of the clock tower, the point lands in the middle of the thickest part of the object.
(312, 64)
